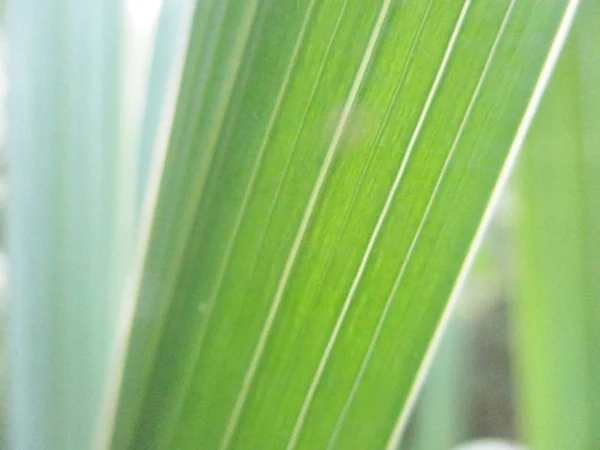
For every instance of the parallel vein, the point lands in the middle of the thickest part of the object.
(304, 224)
(373, 147)
(417, 235)
(247, 194)
(320, 369)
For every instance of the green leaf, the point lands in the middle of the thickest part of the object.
(328, 168)
(66, 217)
(557, 313)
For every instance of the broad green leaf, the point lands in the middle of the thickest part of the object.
(557, 312)
(328, 167)
(66, 221)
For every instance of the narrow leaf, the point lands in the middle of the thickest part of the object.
(557, 311)
(328, 167)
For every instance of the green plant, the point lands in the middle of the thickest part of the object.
(322, 185)
(558, 251)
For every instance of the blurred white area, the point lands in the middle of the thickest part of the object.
(4, 186)
(489, 444)
(4, 274)
(3, 93)
(144, 13)
(140, 27)
(4, 262)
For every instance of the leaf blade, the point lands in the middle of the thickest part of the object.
(285, 191)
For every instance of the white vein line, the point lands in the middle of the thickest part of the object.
(317, 377)
(259, 158)
(300, 127)
(538, 90)
(373, 146)
(247, 194)
(235, 415)
(299, 130)
(417, 235)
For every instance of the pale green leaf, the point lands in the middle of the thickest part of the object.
(558, 248)
(66, 223)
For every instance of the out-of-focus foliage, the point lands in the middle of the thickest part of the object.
(169, 48)
(469, 389)
(558, 249)
(68, 214)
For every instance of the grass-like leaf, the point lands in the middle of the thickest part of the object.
(557, 312)
(328, 168)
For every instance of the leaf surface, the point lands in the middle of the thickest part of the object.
(328, 168)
